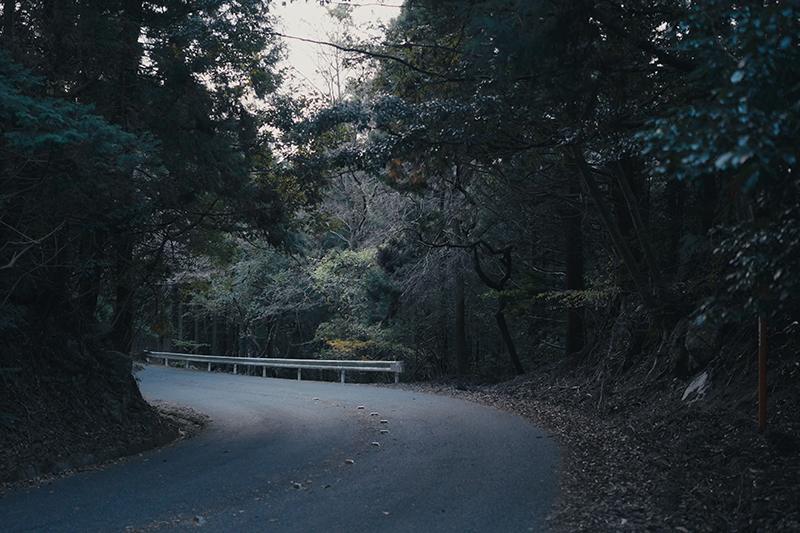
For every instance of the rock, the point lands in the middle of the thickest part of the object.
(692, 345)
(697, 388)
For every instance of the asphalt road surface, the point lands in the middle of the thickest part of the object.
(300, 456)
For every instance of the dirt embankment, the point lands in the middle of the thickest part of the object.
(45, 452)
(67, 404)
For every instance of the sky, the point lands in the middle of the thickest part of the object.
(308, 19)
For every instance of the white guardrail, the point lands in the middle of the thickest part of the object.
(299, 364)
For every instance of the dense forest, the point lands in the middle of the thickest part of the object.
(490, 188)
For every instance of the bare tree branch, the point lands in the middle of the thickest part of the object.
(29, 244)
(377, 55)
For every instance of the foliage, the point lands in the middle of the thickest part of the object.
(260, 282)
(351, 341)
(60, 167)
(500, 117)
(744, 122)
(255, 290)
(354, 285)
(741, 125)
(581, 152)
(121, 167)
(762, 272)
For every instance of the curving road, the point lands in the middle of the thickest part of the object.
(277, 458)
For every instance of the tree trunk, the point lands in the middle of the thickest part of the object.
(122, 325)
(499, 286)
(709, 200)
(272, 333)
(500, 317)
(575, 335)
(122, 322)
(674, 199)
(462, 357)
(9, 16)
(180, 324)
(616, 236)
(214, 337)
(91, 280)
(638, 226)
(444, 361)
(132, 55)
(196, 324)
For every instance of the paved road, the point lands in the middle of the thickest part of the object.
(276, 459)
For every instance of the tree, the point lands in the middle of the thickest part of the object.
(176, 78)
(334, 63)
(59, 165)
(739, 131)
(446, 118)
(565, 99)
(362, 302)
(470, 91)
(268, 296)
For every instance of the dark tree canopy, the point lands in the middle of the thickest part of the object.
(675, 121)
(123, 161)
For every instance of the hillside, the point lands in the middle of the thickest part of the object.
(73, 406)
(640, 454)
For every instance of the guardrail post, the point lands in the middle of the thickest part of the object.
(165, 361)
(263, 371)
(209, 367)
(397, 377)
(187, 364)
(342, 376)
(234, 369)
(299, 374)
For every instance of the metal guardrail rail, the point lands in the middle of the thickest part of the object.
(299, 364)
